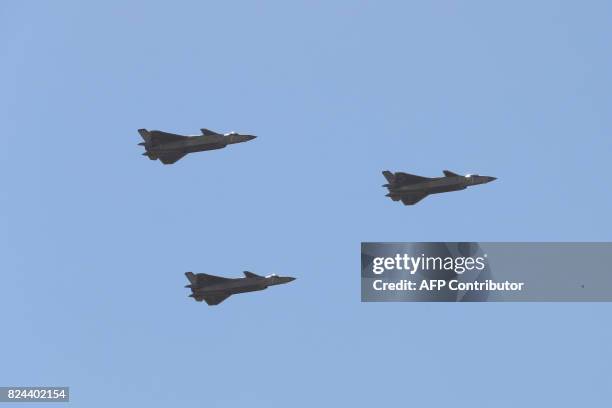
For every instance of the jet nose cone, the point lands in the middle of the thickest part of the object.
(289, 279)
(250, 137)
(489, 179)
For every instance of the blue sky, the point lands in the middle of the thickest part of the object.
(95, 238)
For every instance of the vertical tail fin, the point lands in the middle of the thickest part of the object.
(144, 133)
(389, 176)
(192, 278)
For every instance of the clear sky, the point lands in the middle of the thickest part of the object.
(95, 238)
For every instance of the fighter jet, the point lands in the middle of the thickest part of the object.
(411, 189)
(215, 289)
(170, 148)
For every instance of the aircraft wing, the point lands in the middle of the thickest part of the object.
(159, 137)
(205, 279)
(215, 299)
(169, 158)
(413, 198)
(405, 178)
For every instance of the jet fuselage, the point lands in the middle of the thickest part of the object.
(170, 147)
(440, 184)
(200, 143)
(411, 189)
(214, 289)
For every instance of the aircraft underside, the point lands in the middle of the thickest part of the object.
(169, 156)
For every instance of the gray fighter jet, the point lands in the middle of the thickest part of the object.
(411, 189)
(169, 148)
(215, 289)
